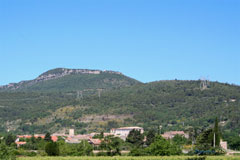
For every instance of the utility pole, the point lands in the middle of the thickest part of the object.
(99, 93)
(192, 141)
(79, 95)
(159, 129)
(214, 140)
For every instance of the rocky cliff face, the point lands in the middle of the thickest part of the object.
(53, 74)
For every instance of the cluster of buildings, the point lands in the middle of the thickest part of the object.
(42, 136)
(117, 132)
(72, 138)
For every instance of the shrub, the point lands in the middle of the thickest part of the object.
(21, 152)
(7, 153)
(162, 147)
(52, 149)
(137, 152)
(102, 154)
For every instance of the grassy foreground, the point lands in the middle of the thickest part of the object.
(129, 158)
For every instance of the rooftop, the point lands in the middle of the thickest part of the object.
(130, 128)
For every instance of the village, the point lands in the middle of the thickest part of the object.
(122, 133)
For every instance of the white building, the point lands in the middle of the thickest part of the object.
(71, 132)
(171, 134)
(223, 144)
(124, 131)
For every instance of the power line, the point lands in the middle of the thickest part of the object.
(79, 95)
(99, 92)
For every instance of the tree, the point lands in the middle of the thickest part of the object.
(150, 137)
(162, 147)
(84, 149)
(6, 153)
(99, 136)
(135, 137)
(33, 139)
(9, 139)
(138, 152)
(66, 149)
(112, 145)
(180, 140)
(234, 143)
(204, 140)
(233, 140)
(205, 144)
(112, 124)
(48, 137)
(52, 149)
(216, 134)
(209, 139)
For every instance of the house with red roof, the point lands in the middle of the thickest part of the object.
(95, 142)
(54, 138)
(20, 143)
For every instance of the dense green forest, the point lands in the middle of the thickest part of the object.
(122, 101)
(173, 104)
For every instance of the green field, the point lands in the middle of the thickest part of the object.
(130, 158)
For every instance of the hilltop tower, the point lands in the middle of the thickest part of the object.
(204, 84)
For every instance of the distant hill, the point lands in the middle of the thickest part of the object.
(176, 105)
(66, 80)
(54, 104)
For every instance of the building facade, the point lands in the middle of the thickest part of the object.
(124, 131)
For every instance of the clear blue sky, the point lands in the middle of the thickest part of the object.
(145, 39)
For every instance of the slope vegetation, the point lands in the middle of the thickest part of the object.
(173, 104)
(55, 104)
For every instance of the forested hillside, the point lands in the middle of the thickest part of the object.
(173, 104)
(121, 101)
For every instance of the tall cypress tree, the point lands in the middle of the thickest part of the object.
(216, 131)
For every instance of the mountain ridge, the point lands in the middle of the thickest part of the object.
(55, 74)
(95, 100)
